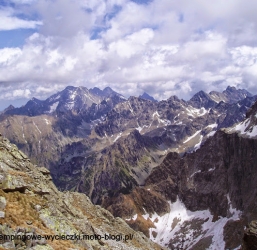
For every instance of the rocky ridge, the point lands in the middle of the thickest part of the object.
(115, 169)
(42, 129)
(30, 205)
(203, 199)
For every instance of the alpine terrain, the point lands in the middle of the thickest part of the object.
(182, 172)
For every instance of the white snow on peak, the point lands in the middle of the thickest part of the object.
(53, 107)
(73, 95)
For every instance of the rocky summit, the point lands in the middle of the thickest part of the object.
(32, 209)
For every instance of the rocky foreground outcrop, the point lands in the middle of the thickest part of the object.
(32, 208)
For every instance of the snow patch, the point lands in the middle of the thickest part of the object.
(191, 137)
(130, 108)
(36, 127)
(211, 133)
(132, 218)
(197, 146)
(214, 125)
(53, 107)
(73, 95)
(241, 129)
(198, 171)
(47, 122)
(70, 105)
(117, 137)
(171, 226)
(196, 112)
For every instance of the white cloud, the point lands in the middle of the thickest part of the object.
(10, 22)
(22, 93)
(163, 47)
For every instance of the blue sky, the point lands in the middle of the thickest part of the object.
(161, 47)
(14, 38)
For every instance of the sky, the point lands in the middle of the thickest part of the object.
(162, 47)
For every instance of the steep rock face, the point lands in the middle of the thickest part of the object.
(202, 99)
(30, 205)
(210, 190)
(147, 97)
(236, 112)
(234, 95)
(37, 136)
(115, 169)
(230, 95)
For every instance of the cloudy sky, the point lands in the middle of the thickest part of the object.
(163, 47)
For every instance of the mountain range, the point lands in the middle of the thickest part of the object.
(176, 170)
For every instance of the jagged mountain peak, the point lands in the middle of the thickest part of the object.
(147, 97)
(174, 98)
(35, 100)
(74, 99)
(233, 94)
(70, 88)
(105, 93)
(10, 107)
(230, 89)
(202, 99)
(108, 90)
(230, 95)
(200, 95)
